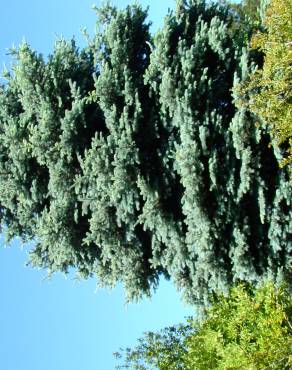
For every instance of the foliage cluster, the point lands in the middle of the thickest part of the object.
(270, 93)
(249, 329)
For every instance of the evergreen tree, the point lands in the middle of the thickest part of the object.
(113, 165)
(229, 191)
(132, 158)
(45, 123)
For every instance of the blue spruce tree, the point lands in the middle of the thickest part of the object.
(134, 157)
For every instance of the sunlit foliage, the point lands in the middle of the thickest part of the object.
(249, 329)
(270, 92)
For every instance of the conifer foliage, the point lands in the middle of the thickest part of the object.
(132, 158)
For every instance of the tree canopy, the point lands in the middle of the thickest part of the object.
(133, 158)
(270, 86)
(249, 329)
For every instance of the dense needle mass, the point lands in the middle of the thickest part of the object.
(133, 158)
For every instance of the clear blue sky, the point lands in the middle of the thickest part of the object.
(63, 324)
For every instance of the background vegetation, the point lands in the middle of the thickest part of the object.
(250, 329)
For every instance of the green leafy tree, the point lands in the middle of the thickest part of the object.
(245, 16)
(165, 350)
(249, 329)
(133, 158)
(270, 96)
(245, 9)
